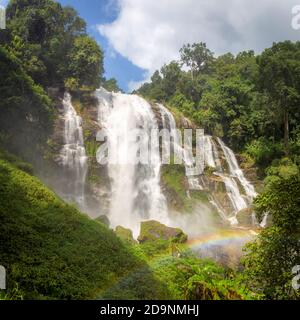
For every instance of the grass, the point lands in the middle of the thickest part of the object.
(52, 251)
(184, 277)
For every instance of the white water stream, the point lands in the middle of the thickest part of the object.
(73, 156)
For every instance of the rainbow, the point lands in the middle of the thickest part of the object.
(221, 238)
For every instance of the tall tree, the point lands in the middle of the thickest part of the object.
(271, 257)
(44, 34)
(197, 57)
(86, 62)
(279, 69)
(171, 73)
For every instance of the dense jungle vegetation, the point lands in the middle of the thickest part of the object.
(52, 251)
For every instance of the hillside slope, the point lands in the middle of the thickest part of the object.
(52, 251)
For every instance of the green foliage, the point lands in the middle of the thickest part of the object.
(71, 84)
(26, 111)
(196, 56)
(264, 151)
(43, 34)
(190, 278)
(46, 45)
(17, 162)
(282, 200)
(269, 262)
(174, 178)
(85, 62)
(285, 168)
(270, 259)
(111, 85)
(91, 148)
(179, 274)
(279, 75)
(50, 250)
(180, 102)
(58, 253)
(253, 103)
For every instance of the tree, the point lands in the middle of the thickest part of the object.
(271, 257)
(26, 111)
(86, 62)
(197, 57)
(111, 85)
(171, 73)
(279, 69)
(44, 34)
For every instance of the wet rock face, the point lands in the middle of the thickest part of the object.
(89, 115)
(244, 217)
(153, 230)
(56, 140)
(157, 114)
(97, 186)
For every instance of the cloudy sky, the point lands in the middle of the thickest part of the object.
(149, 33)
(139, 36)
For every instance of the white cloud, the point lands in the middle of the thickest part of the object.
(150, 33)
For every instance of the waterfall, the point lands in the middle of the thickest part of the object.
(235, 175)
(136, 193)
(135, 187)
(169, 123)
(236, 172)
(73, 156)
(213, 151)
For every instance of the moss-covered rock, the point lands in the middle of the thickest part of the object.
(153, 230)
(103, 219)
(125, 234)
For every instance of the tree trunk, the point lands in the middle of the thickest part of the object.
(286, 132)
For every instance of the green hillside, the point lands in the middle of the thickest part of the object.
(51, 250)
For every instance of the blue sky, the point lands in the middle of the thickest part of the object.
(96, 12)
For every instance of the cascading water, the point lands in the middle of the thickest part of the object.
(136, 193)
(169, 123)
(230, 180)
(236, 172)
(212, 159)
(73, 156)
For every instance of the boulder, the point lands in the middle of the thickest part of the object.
(154, 230)
(125, 234)
(103, 219)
